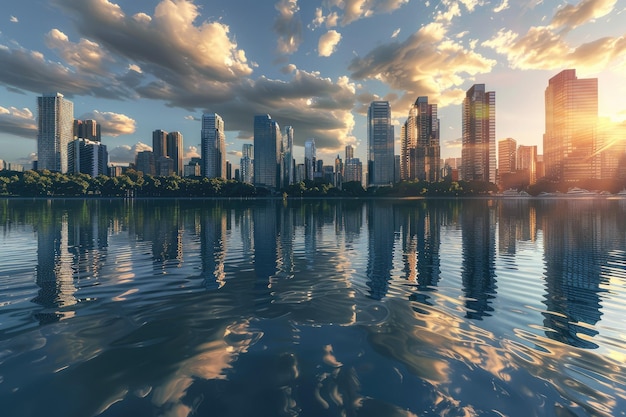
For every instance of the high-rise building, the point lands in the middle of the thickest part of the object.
(288, 161)
(246, 163)
(159, 143)
(507, 156)
(569, 141)
(310, 159)
(419, 143)
(87, 129)
(380, 144)
(55, 126)
(174, 144)
(144, 162)
(213, 146)
(349, 152)
(479, 135)
(527, 161)
(353, 170)
(267, 152)
(87, 157)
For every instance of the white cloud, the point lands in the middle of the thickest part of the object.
(288, 26)
(570, 16)
(111, 124)
(125, 154)
(13, 19)
(19, 122)
(191, 152)
(395, 33)
(328, 43)
(350, 11)
(503, 6)
(86, 56)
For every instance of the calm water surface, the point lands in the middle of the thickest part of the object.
(313, 308)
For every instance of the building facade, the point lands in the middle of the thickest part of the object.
(420, 150)
(144, 162)
(267, 152)
(213, 143)
(507, 156)
(380, 145)
(174, 143)
(527, 161)
(288, 161)
(479, 135)
(87, 157)
(310, 159)
(246, 163)
(87, 129)
(569, 141)
(55, 130)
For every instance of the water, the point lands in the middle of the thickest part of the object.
(313, 308)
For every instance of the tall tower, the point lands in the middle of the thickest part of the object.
(349, 152)
(267, 152)
(420, 149)
(159, 143)
(174, 144)
(288, 156)
(87, 129)
(571, 123)
(213, 146)
(507, 156)
(245, 164)
(55, 127)
(310, 156)
(380, 144)
(479, 135)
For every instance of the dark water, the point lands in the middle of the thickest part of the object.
(336, 308)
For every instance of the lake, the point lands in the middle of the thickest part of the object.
(469, 307)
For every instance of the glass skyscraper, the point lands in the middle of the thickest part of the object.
(419, 143)
(267, 152)
(288, 156)
(55, 130)
(479, 135)
(571, 123)
(174, 144)
(213, 146)
(380, 144)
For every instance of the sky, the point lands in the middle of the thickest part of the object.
(315, 65)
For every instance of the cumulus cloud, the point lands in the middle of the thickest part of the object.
(191, 152)
(349, 11)
(503, 6)
(125, 154)
(85, 56)
(571, 16)
(111, 124)
(19, 122)
(288, 26)
(328, 43)
(427, 63)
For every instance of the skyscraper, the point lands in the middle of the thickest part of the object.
(527, 161)
(245, 164)
(380, 144)
(419, 143)
(507, 156)
(267, 152)
(349, 152)
(87, 129)
(87, 157)
(571, 123)
(288, 156)
(159, 143)
(310, 156)
(55, 127)
(479, 135)
(213, 146)
(174, 149)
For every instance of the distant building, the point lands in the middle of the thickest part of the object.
(246, 163)
(267, 152)
(175, 151)
(55, 130)
(144, 162)
(288, 160)
(213, 146)
(310, 159)
(193, 168)
(165, 166)
(527, 161)
(87, 129)
(353, 170)
(380, 144)
(419, 143)
(479, 135)
(87, 157)
(507, 155)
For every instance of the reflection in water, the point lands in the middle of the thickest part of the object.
(272, 308)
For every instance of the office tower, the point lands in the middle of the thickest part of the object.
(338, 173)
(571, 123)
(213, 146)
(144, 162)
(87, 157)
(55, 126)
(164, 166)
(288, 162)
(349, 152)
(267, 152)
(193, 168)
(87, 129)
(353, 170)
(174, 149)
(419, 143)
(159, 143)
(527, 161)
(229, 171)
(507, 156)
(309, 159)
(380, 144)
(479, 135)
(246, 162)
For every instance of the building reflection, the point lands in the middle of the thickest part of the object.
(478, 266)
(381, 237)
(577, 239)
(213, 248)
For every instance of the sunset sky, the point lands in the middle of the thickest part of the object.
(137, 66)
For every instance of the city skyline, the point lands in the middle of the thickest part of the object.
(313, 66)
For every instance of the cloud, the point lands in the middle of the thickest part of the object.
(125, 154)
(191, 152)
(13, 19)
(288, 26)
(111, 124)
(427, 63)
(541, 48)
(570, 16)
(85, 56)
(350, 11)
(18, 122)
(503, 6)
(395, 33)
(328, 43)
